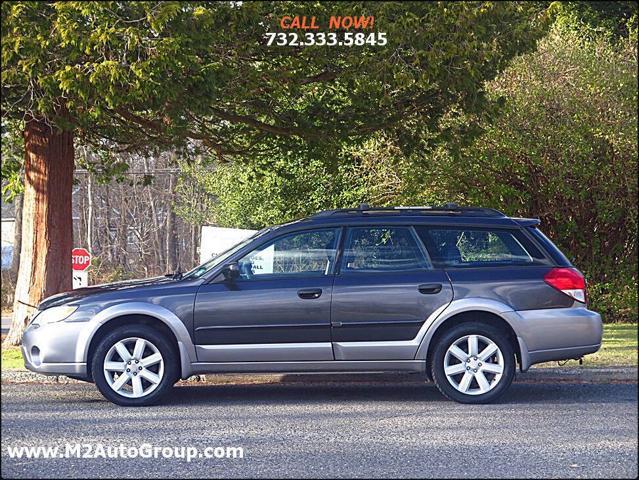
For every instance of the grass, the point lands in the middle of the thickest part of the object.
(619, 349)
(12, 358)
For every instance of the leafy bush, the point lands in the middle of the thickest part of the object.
(564, 149)
(616, 300)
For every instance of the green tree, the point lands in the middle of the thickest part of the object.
(615, 19)
(12, 158)
(298, 183)
(562, 146)
(564, 149)
(138, 75)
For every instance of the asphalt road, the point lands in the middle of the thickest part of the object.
(334, 429)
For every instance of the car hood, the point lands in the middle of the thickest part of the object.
(80, 293)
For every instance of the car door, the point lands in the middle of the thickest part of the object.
(279, 307)
(384, 291)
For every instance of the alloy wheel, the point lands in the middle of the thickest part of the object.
(133, 367)
(473, 364)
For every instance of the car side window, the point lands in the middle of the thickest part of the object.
(465, 247)
(382, 249)
(303, 253)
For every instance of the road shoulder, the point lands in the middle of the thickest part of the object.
(596, 375)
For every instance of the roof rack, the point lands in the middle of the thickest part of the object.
(447, 209)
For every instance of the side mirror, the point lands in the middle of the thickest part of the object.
(231, 271)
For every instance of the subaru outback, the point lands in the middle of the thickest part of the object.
(462, 296)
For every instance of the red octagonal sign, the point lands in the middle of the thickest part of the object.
(80, 259)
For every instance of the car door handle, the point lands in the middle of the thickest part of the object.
(430, 288)
(309, 293)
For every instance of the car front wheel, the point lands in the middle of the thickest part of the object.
(473, 363)
(134, 366)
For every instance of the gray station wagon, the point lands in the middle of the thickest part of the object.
(462, 296)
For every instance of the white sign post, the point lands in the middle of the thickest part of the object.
(80, 261)
(80, 279)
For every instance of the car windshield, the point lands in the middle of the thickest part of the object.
(207, 266)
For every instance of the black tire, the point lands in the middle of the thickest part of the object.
(169, 356)
(457, 332)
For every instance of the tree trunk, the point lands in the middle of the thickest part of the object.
(194, 260)
(90, 213)
(122, 241)
(157, 243)
(82, 219)
(17, 237)
(171, 253)
(47, 227)
(108, 245)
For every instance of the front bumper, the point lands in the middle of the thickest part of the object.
(51, 349)
(557, 334)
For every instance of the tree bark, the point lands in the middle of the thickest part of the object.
(90, 213)
(82, 219)
(171, 247)
(122, 241)
(108, 245)
(17, 237)
(157, 243)
(47, 226)
(194, 260)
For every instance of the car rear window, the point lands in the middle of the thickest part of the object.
(479, 247)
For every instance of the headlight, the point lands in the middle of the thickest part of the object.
(54, 314)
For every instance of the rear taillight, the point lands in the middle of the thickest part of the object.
(569, 281)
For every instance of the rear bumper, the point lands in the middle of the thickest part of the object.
(562, 353)
(556, 334)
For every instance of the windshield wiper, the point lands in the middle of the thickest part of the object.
(177, 275)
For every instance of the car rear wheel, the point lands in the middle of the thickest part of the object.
(134, 366)
(473, 363)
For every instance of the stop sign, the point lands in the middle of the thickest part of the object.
(80, 259)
